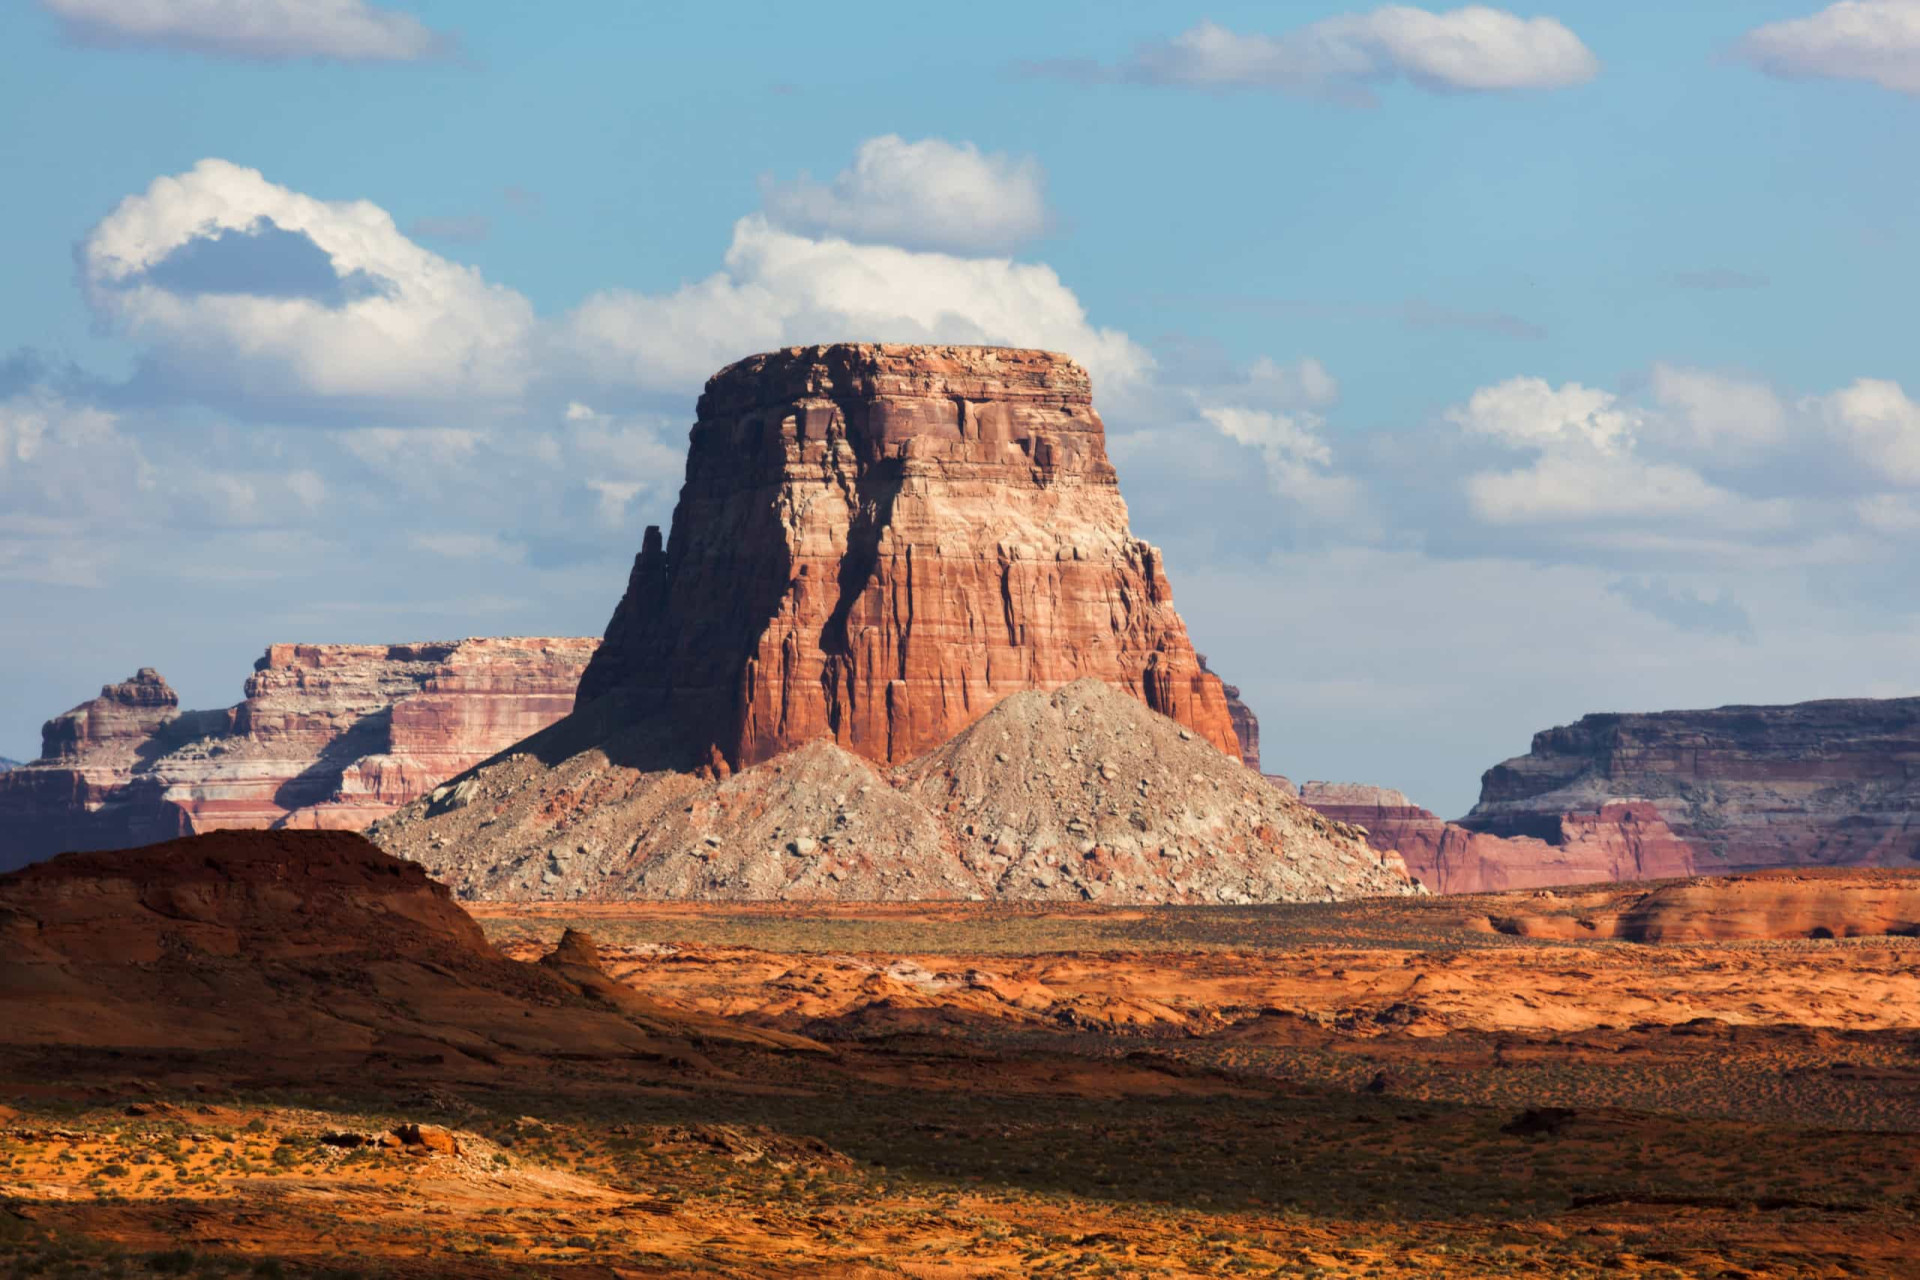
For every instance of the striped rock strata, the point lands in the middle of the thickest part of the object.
(329, 736)
(876, 544)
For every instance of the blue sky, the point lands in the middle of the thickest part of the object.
(1316, 255)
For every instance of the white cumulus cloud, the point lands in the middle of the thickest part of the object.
(931, 194)
(1719, 412)
(1880, 424)
(247, 289)
(1587, 466)
(1531, 412)
(782, 289)
(1299, 463)
(1568, 488)
(1475, 48)
(270, 30)
(1873, 40)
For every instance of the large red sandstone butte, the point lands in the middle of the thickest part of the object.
(329, 736)
(900, 645)
(876, 544)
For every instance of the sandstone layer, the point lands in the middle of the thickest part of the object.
(875, 544)
(1076, 795)
(329, 736)
(1833, 783)
(1619, 841)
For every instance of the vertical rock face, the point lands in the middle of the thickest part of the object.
(1246, 725)
(876, 544)
(329, 736)
(1833, 783)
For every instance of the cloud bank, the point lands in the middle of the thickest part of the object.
(1467, 50)
(262, 30)
(1873, 40)
(930, 194)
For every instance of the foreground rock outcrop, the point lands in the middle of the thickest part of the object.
(1619, 841)
(1082, 794)
(875, 544)
(1833, 783)
(329, 736)
(299, 952)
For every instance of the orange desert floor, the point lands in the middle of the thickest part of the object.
(1442, 1087)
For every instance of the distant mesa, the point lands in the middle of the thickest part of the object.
(329, 736)
(898, 643)
(1832, 783)
(1665, 794)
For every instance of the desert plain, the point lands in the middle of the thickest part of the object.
(1498, 1085)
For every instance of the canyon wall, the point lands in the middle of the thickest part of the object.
(875, 544)
(328, 736)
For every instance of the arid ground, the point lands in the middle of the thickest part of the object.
(1437, 1087)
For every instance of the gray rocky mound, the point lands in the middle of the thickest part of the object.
(1076, 795)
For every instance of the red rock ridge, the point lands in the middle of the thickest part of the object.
(329, 736)
(875, 544)
(1620, 841)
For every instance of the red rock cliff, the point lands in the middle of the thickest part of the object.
(1833, 783)
(329, 736)
(876, 544)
